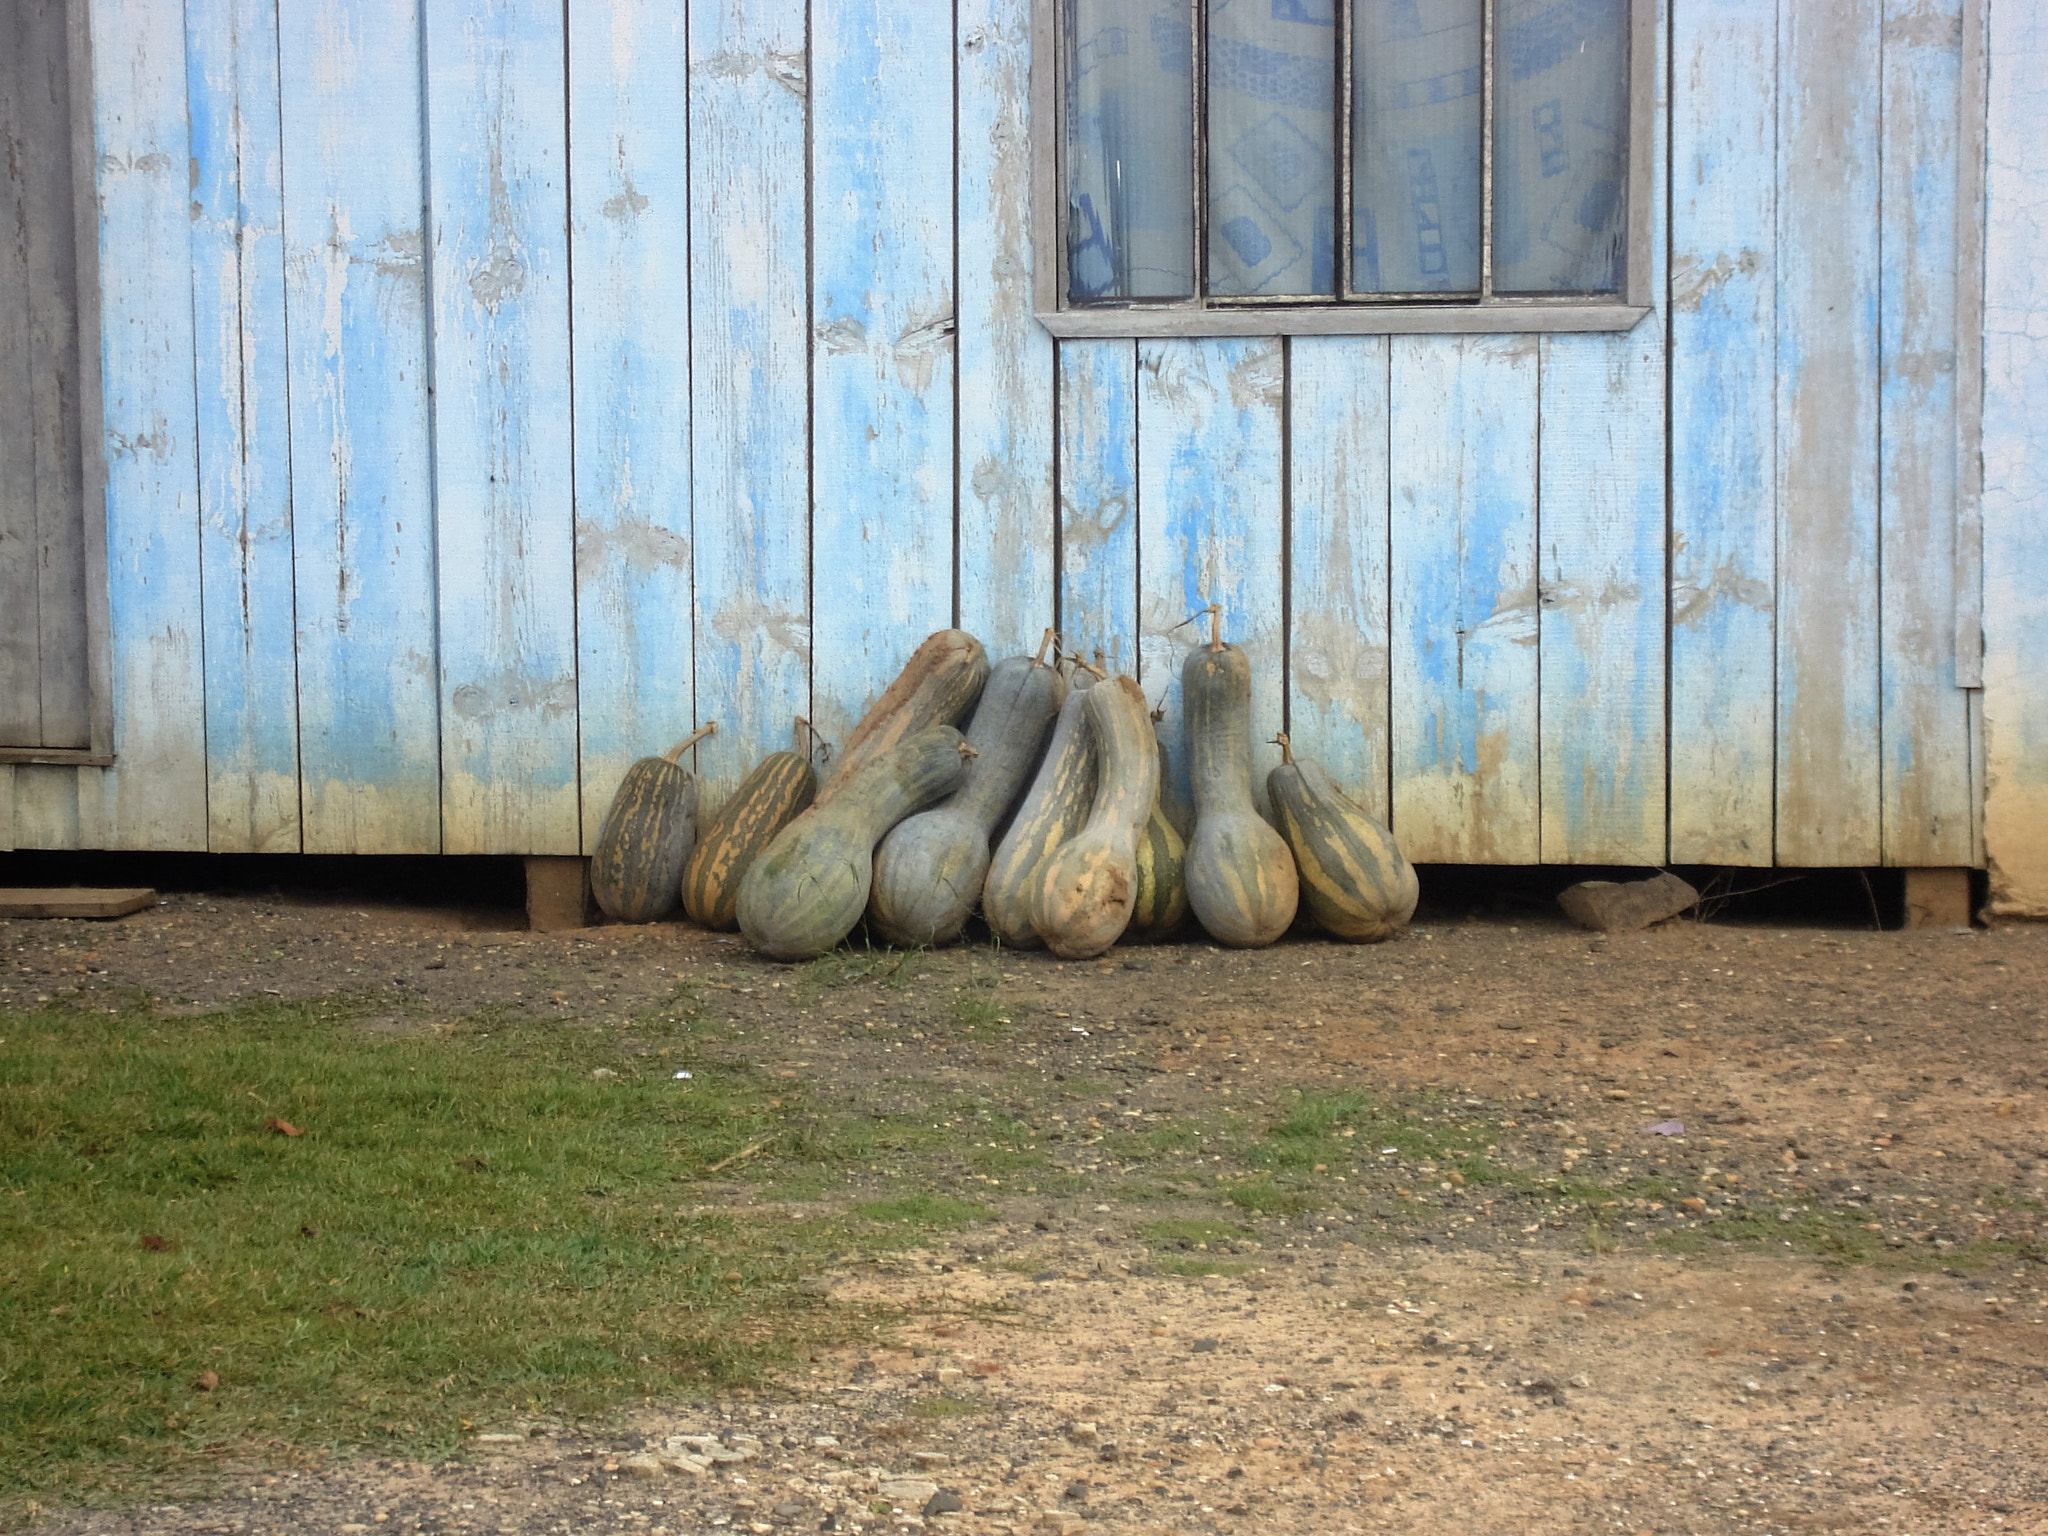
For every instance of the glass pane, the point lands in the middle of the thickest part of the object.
(1272, 146)
(1130, 159)
(1416, 104)
(1560, 146)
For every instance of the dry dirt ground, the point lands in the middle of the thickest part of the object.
(1579, 1351)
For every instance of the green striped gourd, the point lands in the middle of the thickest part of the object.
(1241, 878)
(645, 841)
(1354, 881)
(1162, 902)
(780, 786)
(810, 885)
(1054, 809)
(937, 686)
(1084, 897)
(929, 870)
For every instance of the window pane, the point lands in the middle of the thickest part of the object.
(1560, 146)
(1416, 103)
(1272, 146)
(1130, 162)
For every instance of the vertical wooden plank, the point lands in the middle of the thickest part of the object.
(157, 798)
(362, 459)
(629, 174)
(2016, 464)
(21, 707)
(883, 353)
(502, 472)
(1828, 281)
(43, 653)
(1337, 636)
(1099, 496)
(750, 349)
(1462, 472)
(1723, 423)
(1924, 775)
(245, 513)
(47, 803)
(1209, 527)
(1006, 357)
(1600, 572)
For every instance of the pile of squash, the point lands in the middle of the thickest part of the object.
(1027, 791)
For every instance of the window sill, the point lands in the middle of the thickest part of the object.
(1345, 320)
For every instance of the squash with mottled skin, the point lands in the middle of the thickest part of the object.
(1054, 809)
(810, 885)
(1084, 897)
(1241, 877)
(1354, 881)
(930, 868)
(1162, 902)
(778, 789)
(937, 686)
(646, 837)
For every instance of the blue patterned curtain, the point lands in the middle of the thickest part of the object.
(1560, 147)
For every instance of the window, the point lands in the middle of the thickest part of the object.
(1217, 167)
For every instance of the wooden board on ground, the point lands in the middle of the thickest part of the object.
(74, 900)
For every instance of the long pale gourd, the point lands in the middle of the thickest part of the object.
(809, 887)
(937, 686)
(1354, 881)
(646, 838)
(1054, 809)
(930, 869)
(1241, 878)
(1084, 898)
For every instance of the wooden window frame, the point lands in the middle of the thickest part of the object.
(99, 752)
(1211, 316)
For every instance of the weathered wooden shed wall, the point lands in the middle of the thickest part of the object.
(492, 389)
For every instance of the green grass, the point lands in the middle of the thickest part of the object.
(926, 1212)
(472, 1227)
(943, 1407)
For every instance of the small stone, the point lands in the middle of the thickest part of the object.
(1060, 1522)
(910, 1492)
(702, 1445)
(1082, 1434)
(1075, 1493)
(949, 1374)
(825, 1442)
(1612, 906)
(789, 1511)
(944, 1502)
(684, 1462)
(641, 1466)
(501, 1439)
(931, 1458)
(1580, 1380)
(1204, 1346)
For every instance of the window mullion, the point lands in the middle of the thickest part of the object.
(1341, 235)
(1199, 125)
(1487, 31)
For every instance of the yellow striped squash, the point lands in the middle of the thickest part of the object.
(1354, 881)
(781, 786)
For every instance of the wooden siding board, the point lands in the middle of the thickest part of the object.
(1098, 411)
(21, 705)
(361, 450)
(1007, 421)
(629, 170)
(158, 799)
(1337, 631)
(1462, 620)
(750, 350)
(1209, 526)
(882, 353)
(245, 513)
(1827, 344)
(1723, 422)
(1602, 605)
(2016, 464)
(503, 487)
(1924, 774)
(47, 805)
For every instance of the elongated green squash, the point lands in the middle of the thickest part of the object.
(1084, 897)
(780, 786)
(1054, 809)
(646, 837)
(929, 870)
(1241, 878)
(937, 686)
(810, 885)
(1354, 881)
(1162, 902)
